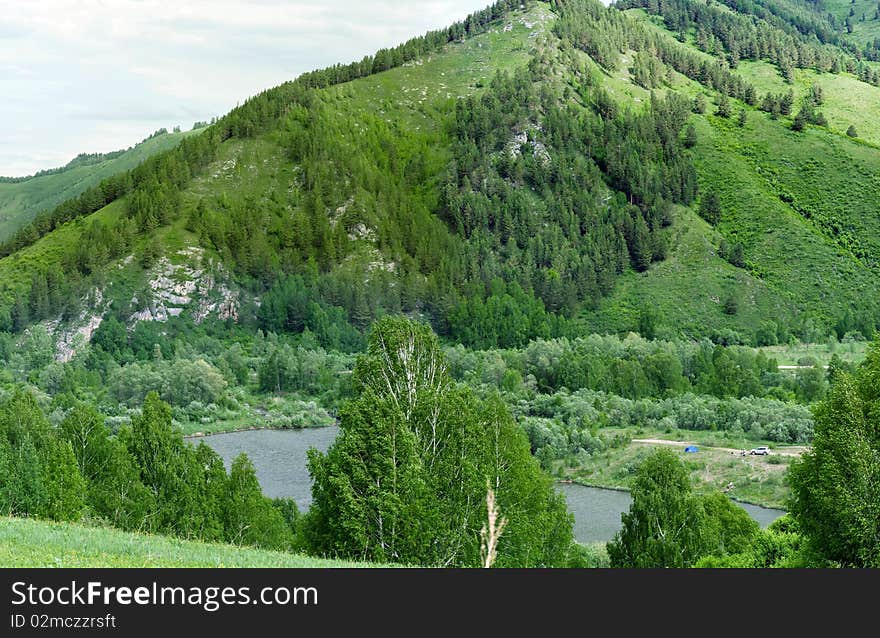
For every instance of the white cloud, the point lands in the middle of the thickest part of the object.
(97, 75)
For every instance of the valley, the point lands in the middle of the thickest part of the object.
(551, 242)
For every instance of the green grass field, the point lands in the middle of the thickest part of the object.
(789, 355)
(848, 101)
(755, 170)
(32, 543)
(863, 31)
(414, 93)
(689, 289)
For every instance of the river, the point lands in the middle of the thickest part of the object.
(279, 457)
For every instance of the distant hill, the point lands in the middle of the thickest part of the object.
(21, 198)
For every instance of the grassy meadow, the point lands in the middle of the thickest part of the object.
(756, 479)
(32, 543)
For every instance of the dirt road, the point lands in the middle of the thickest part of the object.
(788, 451)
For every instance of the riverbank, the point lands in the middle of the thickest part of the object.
(198, 434)
(288, 412)
(281, 464)
(256, 421)
(756, 480)
(627, 491)
(717, 466)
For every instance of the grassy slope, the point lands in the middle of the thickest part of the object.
(21, 201)
(416, 91)
(789, 355)
(32, 543)
(47, 253)
(847, 100)
(794, 266)
(750, 169)
(863, 32)
(16, 268)
(690, 286)
(415, 98)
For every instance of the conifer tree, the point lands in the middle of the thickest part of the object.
(690, 136)
(724, 108)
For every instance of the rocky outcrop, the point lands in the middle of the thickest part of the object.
(191, 283)
(194, 283)
(73, 334)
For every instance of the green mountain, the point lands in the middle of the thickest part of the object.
(538, 182)
(22, 198)
(684, 168)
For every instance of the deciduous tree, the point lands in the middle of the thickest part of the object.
(405, 479)
(836, 485)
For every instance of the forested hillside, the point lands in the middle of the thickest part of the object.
(550, 228)
(566, 171)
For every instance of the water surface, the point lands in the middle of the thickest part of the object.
(279, 457)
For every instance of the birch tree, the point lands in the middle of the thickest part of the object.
(666, 523)
(405, 480)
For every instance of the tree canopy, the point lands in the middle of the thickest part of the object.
(668, 525)
(405, 480)
(836, 485)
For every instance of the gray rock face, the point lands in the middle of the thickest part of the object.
(191, 283)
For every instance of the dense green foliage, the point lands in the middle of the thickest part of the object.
(778, 546)
(405, 480)
(527, 186)
(22, 198)
(603, 33)
(145, 478)
(636, 368)
(516, 182)
(670, 526)
(564, 426)
(736, 36)
(38, 472)
(835, 486)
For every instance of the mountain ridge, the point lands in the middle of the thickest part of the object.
(574, 225)
(687, 276)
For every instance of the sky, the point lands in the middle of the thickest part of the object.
(99, 75)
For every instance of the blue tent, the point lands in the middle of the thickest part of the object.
(691, 448)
